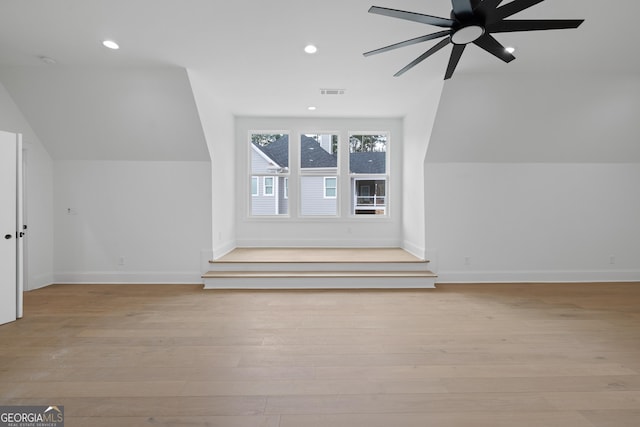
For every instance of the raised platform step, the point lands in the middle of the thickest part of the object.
(318, 279)
(321, 268)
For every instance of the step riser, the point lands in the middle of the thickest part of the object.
(315, 266)
(320, 283)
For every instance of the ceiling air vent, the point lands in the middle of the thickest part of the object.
(331, 91)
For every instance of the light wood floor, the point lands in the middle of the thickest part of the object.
(457, 356)
(318, 255)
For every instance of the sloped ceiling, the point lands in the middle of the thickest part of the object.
(552, 118)
(251, 51)
(115, 113)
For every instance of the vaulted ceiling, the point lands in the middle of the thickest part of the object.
(252, 53)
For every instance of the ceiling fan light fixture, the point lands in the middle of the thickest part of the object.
(468, 34)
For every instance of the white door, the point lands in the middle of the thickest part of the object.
(8, 227)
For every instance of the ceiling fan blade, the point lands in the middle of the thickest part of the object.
(456, 53)
(533, 25)
(409, 42)
(424, 56)
(488, 5)
(491, 45)
(512, 8)
(462, 7)
(412, 16)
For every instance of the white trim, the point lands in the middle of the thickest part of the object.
(541, 276)
(137, 277)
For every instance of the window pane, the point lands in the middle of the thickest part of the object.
(269, 153)
(313, 199)
(270, 162)
(318, 151)
(369, 196)
(367, 154)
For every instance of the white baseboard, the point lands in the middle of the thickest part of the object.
(38, 282)
(414, 250)
(538, 276)
(137, 277)
(222, 250)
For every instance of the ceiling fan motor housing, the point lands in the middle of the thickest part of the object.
(468, 26)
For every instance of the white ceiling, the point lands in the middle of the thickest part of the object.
(252, 53)
(253, 50)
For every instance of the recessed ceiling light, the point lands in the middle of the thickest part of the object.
(110, 44)
(510, 49)
(311, 108)
(310, 49)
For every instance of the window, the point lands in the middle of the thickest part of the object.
(315, 162)
(319, 174)
(269, 161)
(369, 175)
(268, 186)
(254, 186)
(330, 187)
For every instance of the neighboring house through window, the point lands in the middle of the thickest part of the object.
(368, 170)
(269, 160)
(317, 174)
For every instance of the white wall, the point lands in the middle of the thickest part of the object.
(219, 131)
(154, 216)
(534, 178)
(346, 230)
(534, 221)
(418, 125)
(39, 195)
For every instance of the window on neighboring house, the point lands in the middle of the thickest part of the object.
(369, 174)
(254, 185)
(269, 160)
(268, 186)
(330, 187)
(319, 174)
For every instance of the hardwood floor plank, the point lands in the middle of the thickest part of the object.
(612, 418)
(407, 403)
(441, 419)
(161, 421)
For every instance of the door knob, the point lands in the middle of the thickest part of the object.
(8, 236)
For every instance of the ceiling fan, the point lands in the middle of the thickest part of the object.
(472, 21)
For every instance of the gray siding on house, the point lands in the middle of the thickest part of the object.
(312, 198)
(259, 164)
(261, 204)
